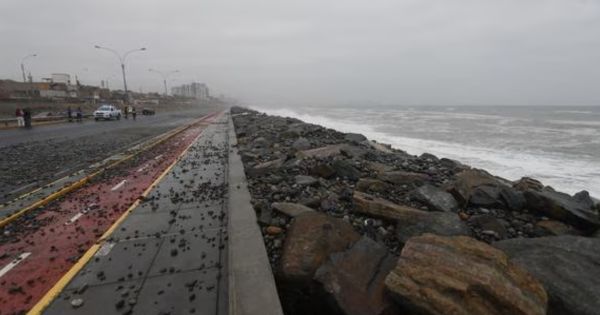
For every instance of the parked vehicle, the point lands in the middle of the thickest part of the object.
(148, 111)
(107, 112)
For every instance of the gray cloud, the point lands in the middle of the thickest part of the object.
(322, 52)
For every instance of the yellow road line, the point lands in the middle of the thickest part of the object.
(45, 301)
(67, 189)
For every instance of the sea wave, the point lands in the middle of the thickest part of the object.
(559, 171)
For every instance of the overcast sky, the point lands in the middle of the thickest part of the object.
(315, 52)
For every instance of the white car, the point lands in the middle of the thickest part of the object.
(107, 112)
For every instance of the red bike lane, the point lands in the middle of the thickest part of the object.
(39, 248)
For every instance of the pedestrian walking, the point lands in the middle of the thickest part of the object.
(126, 112)
(133, 113)
(79, 115)
(70, 114)
(27, 118)
(20, 120)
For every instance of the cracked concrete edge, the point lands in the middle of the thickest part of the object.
(252, 287)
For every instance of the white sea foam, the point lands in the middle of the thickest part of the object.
(561, 172)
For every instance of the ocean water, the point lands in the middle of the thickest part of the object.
(559, 146)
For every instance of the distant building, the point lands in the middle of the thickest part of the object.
(61, 78)
(193, 90)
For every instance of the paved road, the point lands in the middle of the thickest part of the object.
(30, 158)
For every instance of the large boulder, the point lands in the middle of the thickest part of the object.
(480, 189)
(369, 184)
(567, 266)
(563, 207)
(311, 238)
(439, 223)
(460, 275)
(379, 207)
(354, 278)
(354, 137)
(410, 221)
(404, 178)
(435, 198)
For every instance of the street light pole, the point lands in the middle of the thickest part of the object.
(23, 65)
(122, 59)
(164, 75)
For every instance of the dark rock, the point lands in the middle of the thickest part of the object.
(322, 170)
(555, 228)
(567, 266)
(404, 178)
(563, 207)
(355, 278)
(379, 207)
(311, 238)
(354, 137)
(428, 157)
(322, 152)
(343, 169)
(304, 180)
(489, 223)
(480, 189)
(527, 183)
(291, 209)
(439, 223)
(435, 198)
(301, 144)
(369, 184)
(265, 167)
(460, 275)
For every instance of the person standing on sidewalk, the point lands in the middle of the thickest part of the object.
(79, 114)
(20, 120)
(133, 113)
(27, 117)
(70, 114)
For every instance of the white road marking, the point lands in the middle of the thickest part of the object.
(141, 169)
(74, 218)
(104, 249)
(119, 185)
(13, 264)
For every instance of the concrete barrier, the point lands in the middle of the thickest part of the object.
(251, 284)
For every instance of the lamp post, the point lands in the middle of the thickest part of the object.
(122, 59)
(164, 75)
(23, 65)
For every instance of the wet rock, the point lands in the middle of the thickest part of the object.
(265, 167)
(563, 207)
(436, 198)
(343, 169)
(555, 228)
(322, 152)
(480, 189)
(354, 278)
(460, 275)
(273, 230)
(322, 170)
(439, 223)
(301, 144)
(527, 183)
(311, 238)
(379, 207)
(404, 178)
(486, 222)
(385, 148)
(567, 266)
(304, 180)
(368, 184)
(354, 137)
(291, 209)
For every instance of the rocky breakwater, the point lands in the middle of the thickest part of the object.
(356, 227)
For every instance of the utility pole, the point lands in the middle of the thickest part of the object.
(122, 59)
(164, 75)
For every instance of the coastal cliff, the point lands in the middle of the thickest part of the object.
(357, 227)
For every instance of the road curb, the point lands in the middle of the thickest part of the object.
(252, 287)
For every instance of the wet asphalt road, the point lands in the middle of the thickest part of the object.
(31, 158)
